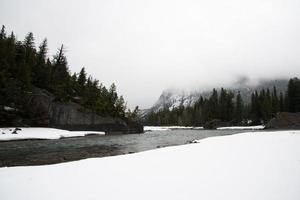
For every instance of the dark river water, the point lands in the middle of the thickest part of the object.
(38, 152)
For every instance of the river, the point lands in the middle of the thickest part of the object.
(39, 152)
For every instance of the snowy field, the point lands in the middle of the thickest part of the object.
(248, 166)
(41, 133)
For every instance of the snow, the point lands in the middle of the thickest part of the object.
(41, 133)
(198, 128)
(7, 108)
(155, 128)
(260, 166)
(168, 128)
(259, 127)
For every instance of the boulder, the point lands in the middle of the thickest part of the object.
(284, 120)
(216, 123)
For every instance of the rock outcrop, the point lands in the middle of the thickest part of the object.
(216, 123)
(284, 120)
(72, 116)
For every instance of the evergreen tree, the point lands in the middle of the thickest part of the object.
(213, 105)
(293, 95)
(239, 107)
(281, 102)
(60, 78)
(223, 105)
(120, 106)
(255, 113)
(275, 102)
(81, 82)
(40, 71)
(268, 106)
(2, 33)
(133, 116)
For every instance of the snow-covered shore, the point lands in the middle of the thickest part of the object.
(259, 127)
(6, 134)
(260, 166)
(168, 128)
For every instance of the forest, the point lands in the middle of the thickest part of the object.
(227, 107)
(24, 67)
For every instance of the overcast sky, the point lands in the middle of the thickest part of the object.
(146, 46)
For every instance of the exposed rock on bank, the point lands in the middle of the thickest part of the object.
(285, 120)
(71, 116)
(216, 123)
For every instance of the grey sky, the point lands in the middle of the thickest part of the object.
(148, 46)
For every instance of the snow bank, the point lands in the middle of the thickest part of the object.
(168, 128)
(41, 133)
(242, 127)
(155, 128)
(260, 166)
(180, 127)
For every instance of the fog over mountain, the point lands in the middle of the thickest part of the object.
(173, 98)
(146, 47)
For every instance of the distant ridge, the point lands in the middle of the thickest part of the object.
(172, 99)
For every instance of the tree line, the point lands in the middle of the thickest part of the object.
(23, 67)
(227, 107)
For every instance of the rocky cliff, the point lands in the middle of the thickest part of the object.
(72, 116)
(285, 120)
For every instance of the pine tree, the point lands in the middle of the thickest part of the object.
(2, 33)
(29, 41)
(293, 95)
(213, 105)
(120, 106)
(42, 53)
(239, 108)
(275, 102)
(81, 82)
(60, 78)
(230, 106)
(267, 106)
(281, 102)
(223, 105)
(256, 112)
(40, 71)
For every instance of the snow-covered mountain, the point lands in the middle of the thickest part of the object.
(171, 98)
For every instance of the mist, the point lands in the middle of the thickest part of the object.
(146, 47)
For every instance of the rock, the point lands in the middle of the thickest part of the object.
(216, 123)
(71, 116)
(15, 131)
(192, 142)
(284, 120)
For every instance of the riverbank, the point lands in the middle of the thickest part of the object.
(167, 128)
(261, 165)
(40, 152)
